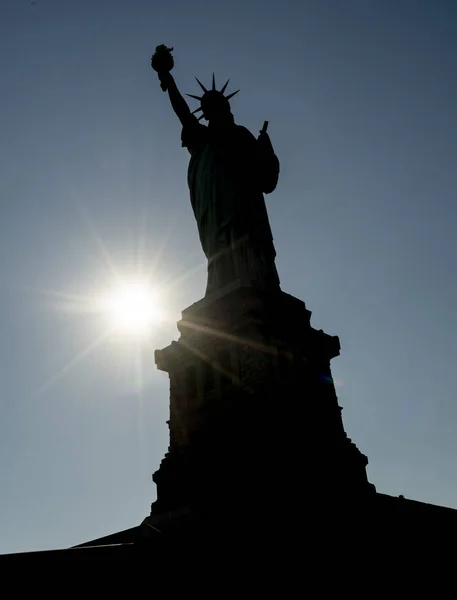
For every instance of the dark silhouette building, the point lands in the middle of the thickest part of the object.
(259, 463)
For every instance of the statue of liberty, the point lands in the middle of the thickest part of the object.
(229, 172)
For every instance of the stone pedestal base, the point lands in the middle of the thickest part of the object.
(254, 417)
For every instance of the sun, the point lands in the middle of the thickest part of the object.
(133, 308)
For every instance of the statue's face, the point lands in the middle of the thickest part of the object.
(215, 107)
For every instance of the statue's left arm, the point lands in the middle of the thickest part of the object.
(266, 163)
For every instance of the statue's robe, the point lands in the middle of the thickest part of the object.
(229, 171)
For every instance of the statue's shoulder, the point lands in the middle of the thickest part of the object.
(245, 138)
(193, 133)
(244, 132)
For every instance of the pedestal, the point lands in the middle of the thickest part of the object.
(254, 417)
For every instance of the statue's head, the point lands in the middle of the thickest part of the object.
(215, 107)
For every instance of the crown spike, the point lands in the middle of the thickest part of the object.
(195, 97)
(214, 84)
(201, 85)
(196, 110)
(200, 117)
(232, 94)
(225, 86)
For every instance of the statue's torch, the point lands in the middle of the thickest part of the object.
(162, 62)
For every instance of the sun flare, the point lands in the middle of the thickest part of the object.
(133, 308)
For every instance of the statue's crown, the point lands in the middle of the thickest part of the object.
(212, 96)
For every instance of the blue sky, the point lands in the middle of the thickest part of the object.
(361, 98)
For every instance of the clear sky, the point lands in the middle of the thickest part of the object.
(361, 97)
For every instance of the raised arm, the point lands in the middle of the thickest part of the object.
(178, 103)
(162, 62)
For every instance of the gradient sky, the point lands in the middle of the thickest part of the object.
(361, 98)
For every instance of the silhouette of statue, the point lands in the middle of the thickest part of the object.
(229, 171)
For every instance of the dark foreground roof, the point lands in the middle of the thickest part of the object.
(384, 521)
(127, 536)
